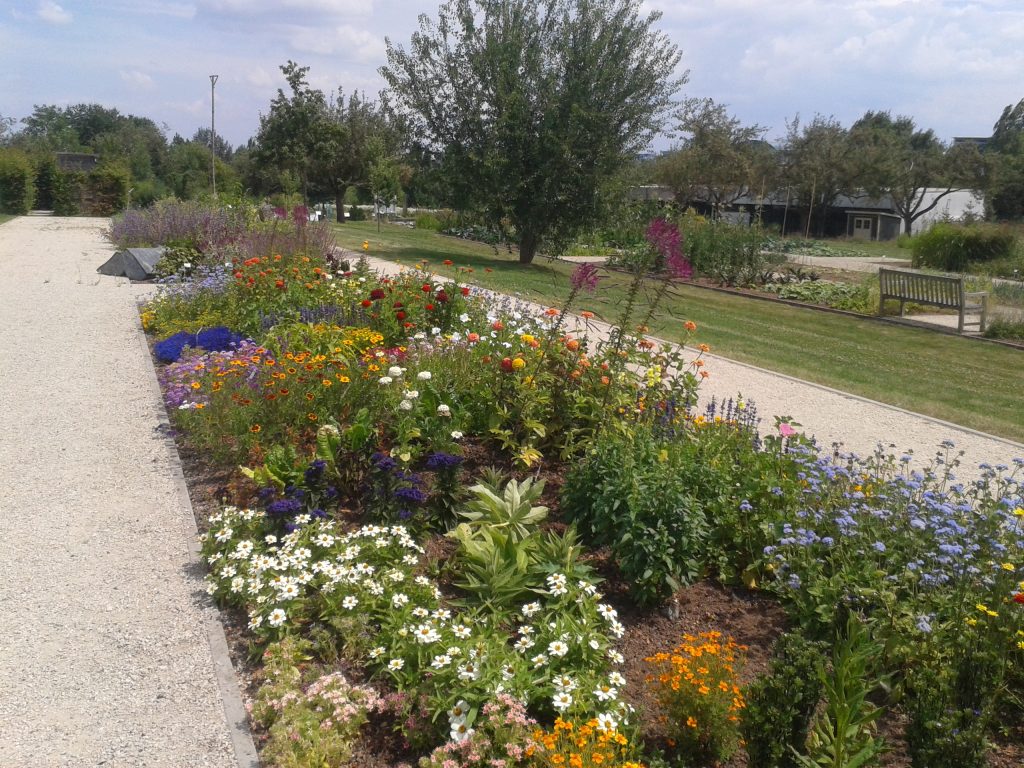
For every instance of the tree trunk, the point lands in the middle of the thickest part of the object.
(527, 247)
(339, 205)
(908, 223)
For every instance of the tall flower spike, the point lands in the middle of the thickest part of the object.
(585, 277)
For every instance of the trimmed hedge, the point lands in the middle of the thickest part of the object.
(17, 182)
(952, 247)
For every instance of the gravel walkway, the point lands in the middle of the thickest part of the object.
(858, 424)
(106, 637)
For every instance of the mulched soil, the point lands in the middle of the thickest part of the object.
(751, 618)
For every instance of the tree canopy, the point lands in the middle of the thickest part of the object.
(533, 104)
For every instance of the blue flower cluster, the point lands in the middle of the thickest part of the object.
(216, 339)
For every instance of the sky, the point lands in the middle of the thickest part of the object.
(951, 65)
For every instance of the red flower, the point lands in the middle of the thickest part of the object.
(400, 315)
(497, 325)
(429, 307)
(1019, 598)
(377, 293)
(442, 296)
(506, 364)
(279, 283)
(397, 305)
(426, 288)
(465, 291)
(447, 262)
(366, 303)
(472, 338)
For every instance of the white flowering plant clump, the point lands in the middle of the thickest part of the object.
(313, 573)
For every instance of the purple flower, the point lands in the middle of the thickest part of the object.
(284, 507)
(664, 238)
(441, 461)
(585, 278)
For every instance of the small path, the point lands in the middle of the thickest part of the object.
(857, 423)
(849, 263)
(105, 633)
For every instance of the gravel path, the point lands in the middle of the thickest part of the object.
(857, 423)
(106, 638)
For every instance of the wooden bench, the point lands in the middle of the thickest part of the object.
(935, 290)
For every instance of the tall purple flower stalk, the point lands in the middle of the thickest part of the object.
(665, 239)
(584, 278)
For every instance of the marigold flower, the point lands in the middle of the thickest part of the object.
(690, 326)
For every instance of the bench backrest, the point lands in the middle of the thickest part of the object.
(938, 290)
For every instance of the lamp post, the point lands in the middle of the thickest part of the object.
(213, 136)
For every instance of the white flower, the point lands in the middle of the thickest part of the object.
(615, 657)
(459, 712)
(425, 634)
(461, 631)
(396, 664)
(270, 539)
(557, 584)
(224, 535)
(562, 701)
(461, 732)
(558, 648)
(444, 410)
(469, 671)
(539, 660)
(441, 661)
(605, 693)
(324, 540)
(350, 602)
(524, 643)
(456, 435)
(564, 683)
(435, 331)
(531, 608)
(616, 678)
(395, 371)
(377, 652)
(617, 629)
(255, 621)
(420, 612)
(398, 600)
(411, 394)
(442, 614)
(463, 318)
(405, 405)
(424, 375)
(277, 617)
(595, 645)
(607, 612)
(288, 591)
(606, 722)
(384, 380)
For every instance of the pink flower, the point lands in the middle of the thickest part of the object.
(785, 430)
(585, 277)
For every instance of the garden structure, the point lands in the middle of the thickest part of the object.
(934, 290)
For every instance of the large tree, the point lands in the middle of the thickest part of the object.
(910, 165)
(720, 159)
(533, 104)
(817, 165)
(1006, 163)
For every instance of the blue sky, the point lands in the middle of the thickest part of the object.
(952, 66)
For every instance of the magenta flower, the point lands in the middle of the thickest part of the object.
(585, 277)
(665, 239)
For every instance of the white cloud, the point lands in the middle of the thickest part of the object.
(344, 40)
(52, 13)
(136, 78)
(312, 8)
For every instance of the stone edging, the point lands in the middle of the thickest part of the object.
(235, 714)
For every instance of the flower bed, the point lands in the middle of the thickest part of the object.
(439, 484)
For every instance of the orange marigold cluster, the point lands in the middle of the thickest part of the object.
(582, 745)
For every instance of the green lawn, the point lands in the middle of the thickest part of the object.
(967, 382)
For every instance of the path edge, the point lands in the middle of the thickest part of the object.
(235, 714)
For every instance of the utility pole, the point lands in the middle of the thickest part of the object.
(213, 136)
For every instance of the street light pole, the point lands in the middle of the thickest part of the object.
(213, 136)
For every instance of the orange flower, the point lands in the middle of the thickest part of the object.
(690, 326)
(255, 429)
(587, 314)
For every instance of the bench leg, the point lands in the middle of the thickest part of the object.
(960, 325)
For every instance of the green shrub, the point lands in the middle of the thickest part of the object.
(46, 181)
(731, 254)
(107, 190)
(1000, 328)
(428, 221)
(630, 493)
(17, 182)
(781, 704)
(67, 193)
(953, 247)
(355, 213)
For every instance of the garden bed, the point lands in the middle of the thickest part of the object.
(466, 537)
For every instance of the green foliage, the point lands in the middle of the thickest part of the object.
(107, 190)
(999, 328)
(179, 259)
(953, 247)
(852, 297)
(535, 106)
(844, 734)
(780, 705)
(67, 193)
(356, 213)
(629, 494)
(729, 253)
(428, 221)
(513, 511)
(17, 182)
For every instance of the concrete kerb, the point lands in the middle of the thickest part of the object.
(235, 713)
(605, 328)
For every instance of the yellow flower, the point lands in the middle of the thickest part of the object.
(971, 622)
(1019, 511)
(518, 363)
(982, 607)
(1008, 567)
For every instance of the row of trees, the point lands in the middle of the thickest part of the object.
(721, 161)
(531, 114)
